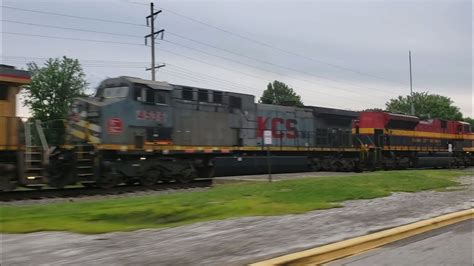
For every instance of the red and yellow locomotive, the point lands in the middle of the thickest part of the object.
(400, 141)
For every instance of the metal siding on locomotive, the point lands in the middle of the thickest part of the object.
(137, 130)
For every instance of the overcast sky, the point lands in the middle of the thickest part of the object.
(342, 54)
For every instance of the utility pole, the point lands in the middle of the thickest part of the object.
(150, 22)
(412, 104)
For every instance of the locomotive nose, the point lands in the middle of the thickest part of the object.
(84, 122)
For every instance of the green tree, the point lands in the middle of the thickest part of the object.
(374, 110)
(279, 93)
(53, 88)
(426, 106)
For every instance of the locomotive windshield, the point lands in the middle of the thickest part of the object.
(115, 92)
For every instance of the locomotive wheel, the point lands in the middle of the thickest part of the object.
(326, 165)
(358, 168)
(57, 178)
(348, 165)
(7, 182)
(108, 180)
(150, 177)
(315, 165)
(186, 175)
(336, 166)
(60, 170)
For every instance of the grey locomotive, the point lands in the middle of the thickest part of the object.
(136, 130)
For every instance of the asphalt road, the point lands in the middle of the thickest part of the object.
(450, 245)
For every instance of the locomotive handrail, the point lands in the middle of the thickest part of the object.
(44, 142)
(28, 143)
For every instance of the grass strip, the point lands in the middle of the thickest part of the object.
(220, 202)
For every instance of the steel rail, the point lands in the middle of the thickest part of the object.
(76, 192)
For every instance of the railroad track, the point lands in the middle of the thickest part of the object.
(83, 191)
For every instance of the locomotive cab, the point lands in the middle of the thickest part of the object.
(12, 167)
(130, 112)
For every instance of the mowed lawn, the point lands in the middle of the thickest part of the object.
(220, 202)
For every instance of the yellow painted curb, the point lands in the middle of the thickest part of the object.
(356, 245)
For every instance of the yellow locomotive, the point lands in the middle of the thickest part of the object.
(21, 163)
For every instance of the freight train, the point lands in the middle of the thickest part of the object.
(141, 131)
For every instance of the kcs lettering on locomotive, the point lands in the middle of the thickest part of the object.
(290, 131)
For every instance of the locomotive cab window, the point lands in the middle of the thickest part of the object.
(150, 96)
(187, 94)
(115, 92)
(3, 92)
(203, 95)
(467, 128)
(217, 96)
(161, 97)
(137, 94)
(444, 124)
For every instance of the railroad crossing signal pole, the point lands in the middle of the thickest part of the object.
(150, 21)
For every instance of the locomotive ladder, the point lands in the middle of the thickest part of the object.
(85, 162)
(35, 157)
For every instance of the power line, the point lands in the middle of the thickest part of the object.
(82, 60)
(72, 16)
(195, 20)
(175, 68)
(220, 67)
(277, 48)
(253, 76)
(239, 86)
(114, 63)
(267, 62)
(77, 39)
(66, 38)
(202, 43)
(193, 79)
(259, 68)
(214, 79)
(214, 83)
(212, 26)
(67, 28)
(182, 69)
(82, 64)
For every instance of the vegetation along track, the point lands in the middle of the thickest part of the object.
(84, 191)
